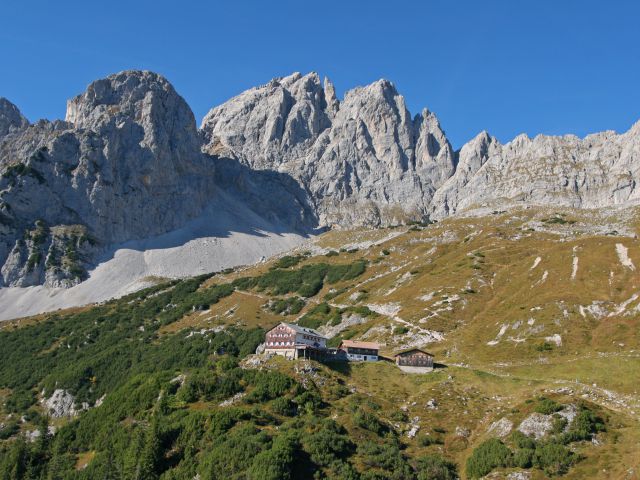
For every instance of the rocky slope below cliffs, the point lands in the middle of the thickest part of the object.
(363, 160)
(125, 164)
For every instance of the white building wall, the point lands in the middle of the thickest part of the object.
(362, 358)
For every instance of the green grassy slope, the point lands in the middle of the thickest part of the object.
(516, 306)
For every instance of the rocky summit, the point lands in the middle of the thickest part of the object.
(128, 163)
(363, 160)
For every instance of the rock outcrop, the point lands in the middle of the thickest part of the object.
(11, 120)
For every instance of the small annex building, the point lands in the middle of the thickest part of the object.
(356, 351)
(414, 360)
(293, 341)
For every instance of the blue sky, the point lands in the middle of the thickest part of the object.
(506, 66)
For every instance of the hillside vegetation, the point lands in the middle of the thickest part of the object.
(532, 316)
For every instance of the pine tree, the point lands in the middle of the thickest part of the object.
(151, 453)
(131, 467)
(14, 465)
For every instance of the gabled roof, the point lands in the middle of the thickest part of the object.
(357, 344)
(300, 329)
(404, 352)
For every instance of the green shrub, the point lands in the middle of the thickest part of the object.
(583, 426)
(20, 400)
(283, 406)
(400, 330)
(34, 260)
(268, 386)
(523, 458)
(319, 315)
(20, 170)
(521, 440)
(307, 281)
(487, 456)
(559, 424)
(363, 311)
(369, 421)
(547, 406)
(331, 253)
(398, 416)
(9, 429)
(288, 261)
(287, 306)
(386, 457)
(309, 401)
(554, 458)
(544, 347)
(334, 293)
(434, 467)
(328, 444)
(428, 440)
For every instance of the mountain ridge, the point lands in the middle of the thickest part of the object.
(128, 162)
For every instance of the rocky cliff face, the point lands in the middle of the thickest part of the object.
(125, 164)
(128, 162)
(11, 120)
(600, 170)
(363, 161)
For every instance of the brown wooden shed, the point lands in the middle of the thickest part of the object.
(414, 358)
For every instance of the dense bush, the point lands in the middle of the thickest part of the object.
(369, 421)
(550, 454)
(288, 261)
(307, 280)
(521, 440)
(267, 385)
(287, 306)
(554, 458)
(583, 426)
(275, 463)
(427, 440)
(547, 406)
(487, 456)
(328, 444)
(523, 458)
(400, 330)
(434, 467)
(319, 315)
(387, 458)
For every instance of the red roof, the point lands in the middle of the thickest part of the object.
(357, 344)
